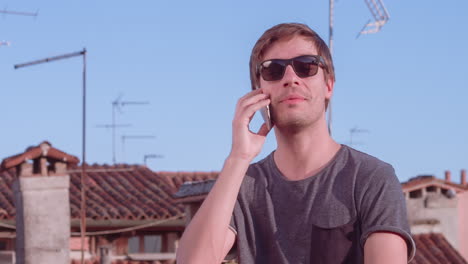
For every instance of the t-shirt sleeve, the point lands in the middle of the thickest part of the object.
(232, 254)
(383, 207)
(232, 224)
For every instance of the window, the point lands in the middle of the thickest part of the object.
(153, 244)
(133, 245)
(145, 244)
(3, 245)
(415, 194)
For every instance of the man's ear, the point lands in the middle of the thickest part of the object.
(330, 88)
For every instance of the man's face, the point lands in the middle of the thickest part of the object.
(296, 102)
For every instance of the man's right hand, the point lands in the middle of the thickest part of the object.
(246, 145)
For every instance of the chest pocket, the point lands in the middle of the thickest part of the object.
(335, 244)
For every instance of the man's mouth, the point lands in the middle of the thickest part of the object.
(292, 99)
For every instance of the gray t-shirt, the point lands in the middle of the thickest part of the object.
(325, 218)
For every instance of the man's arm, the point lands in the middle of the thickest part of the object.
(385, 234)
(385, 248)
(207, 238)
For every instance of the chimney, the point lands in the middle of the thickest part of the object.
(447, 175)
(41, 195)
(463, 177)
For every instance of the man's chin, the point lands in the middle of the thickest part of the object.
(292, 124)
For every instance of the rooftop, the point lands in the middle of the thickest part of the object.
(434, 248)
(114, 192)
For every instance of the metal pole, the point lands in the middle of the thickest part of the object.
(123, 149)
(115, 107)
(83, 165)
(65, 56)
(330, 33)
(113, 134)
(330, 46)
(7, 12)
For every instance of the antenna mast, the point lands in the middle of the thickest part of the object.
(381, 16)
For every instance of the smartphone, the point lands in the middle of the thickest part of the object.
(266, 115)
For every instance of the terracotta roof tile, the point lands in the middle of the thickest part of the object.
(121, 191)
(434, 248)
(44, 149)
(130, 192)
(422, 181)
(127, 192)
(7, 208)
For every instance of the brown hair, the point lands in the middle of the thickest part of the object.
(286, 31)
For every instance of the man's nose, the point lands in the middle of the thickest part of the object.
(290, 77)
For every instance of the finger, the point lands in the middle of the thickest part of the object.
(251, 109)
(243, 116)
(263, 131)
(253, 99)
(250, 94)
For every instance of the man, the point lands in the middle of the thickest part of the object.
(310, 201)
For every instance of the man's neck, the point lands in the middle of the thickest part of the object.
(304, 153)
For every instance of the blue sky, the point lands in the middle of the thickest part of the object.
(406, 85)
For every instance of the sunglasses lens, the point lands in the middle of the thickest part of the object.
(305, 66)
(272, 70)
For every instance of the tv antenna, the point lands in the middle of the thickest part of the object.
(117, 105)
(125, 137)
(83, 160)
(381, 16)
(18, 13)
(353, 131)
(8, 12)
(151, 156)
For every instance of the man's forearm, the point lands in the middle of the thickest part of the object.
(204, 238)
(207, 238)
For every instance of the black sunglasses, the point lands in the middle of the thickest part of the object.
(304, 66)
